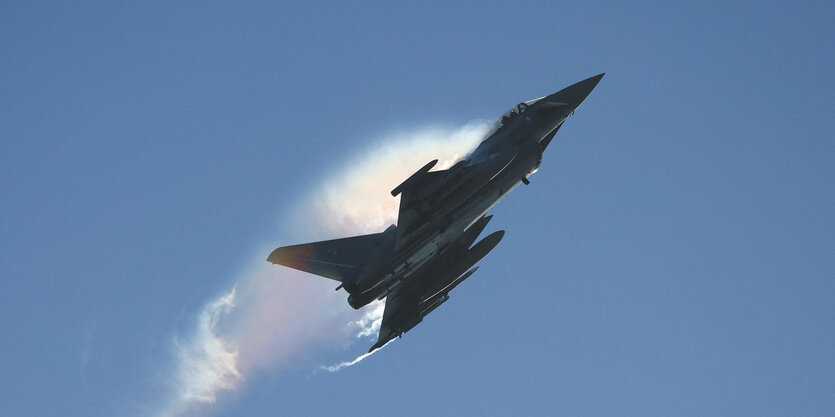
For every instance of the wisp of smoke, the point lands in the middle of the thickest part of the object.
(337, 367)
(369, 325)
(273, 316)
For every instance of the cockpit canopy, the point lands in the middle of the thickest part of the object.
(514, 113)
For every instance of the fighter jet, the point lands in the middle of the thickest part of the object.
(416, 263)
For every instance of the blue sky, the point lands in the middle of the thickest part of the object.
(674, 255)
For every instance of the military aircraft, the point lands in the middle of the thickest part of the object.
(416, 263)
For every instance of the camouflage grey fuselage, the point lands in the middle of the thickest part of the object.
(430, 251)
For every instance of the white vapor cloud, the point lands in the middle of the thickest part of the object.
(369, 324)
(208, 363)
(274, 316)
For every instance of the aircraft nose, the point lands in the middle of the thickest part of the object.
(573, 95)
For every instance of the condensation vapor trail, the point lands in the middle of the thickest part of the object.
(337, 367)
(273, 316)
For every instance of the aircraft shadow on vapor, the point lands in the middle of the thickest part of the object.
(415, 264)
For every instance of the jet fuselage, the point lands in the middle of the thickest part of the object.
(463, 194)
(415, 264)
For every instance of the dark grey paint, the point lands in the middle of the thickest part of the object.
(415, 264)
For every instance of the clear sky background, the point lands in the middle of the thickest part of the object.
(674, 255)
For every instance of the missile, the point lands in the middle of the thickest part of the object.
(460, 280)
(457, 273)
(435, 304)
